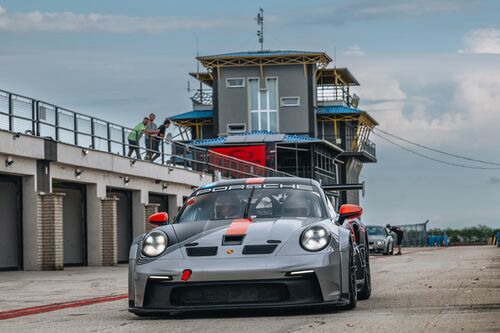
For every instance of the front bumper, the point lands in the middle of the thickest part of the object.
(374, 248)
(261, 282)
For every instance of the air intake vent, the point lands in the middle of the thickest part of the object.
(201, 251)
(232, 239)
(259, 249)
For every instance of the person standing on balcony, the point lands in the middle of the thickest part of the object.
(151, 131)
(134, 137)
(161, 135)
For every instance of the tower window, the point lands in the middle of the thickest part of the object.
(263, 105)
(290, 101)
(235, 83)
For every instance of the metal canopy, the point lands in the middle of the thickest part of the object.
(260, 58)
(336, 77)
(203, 77)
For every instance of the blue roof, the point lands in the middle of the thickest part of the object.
(336, 109)
(195, 114)
(261, 54)
(288, 138)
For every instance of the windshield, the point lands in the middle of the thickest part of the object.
(376, 231)
(242, 202)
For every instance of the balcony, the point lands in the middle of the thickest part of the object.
(355, 146)
(335, 95)
(202, 97)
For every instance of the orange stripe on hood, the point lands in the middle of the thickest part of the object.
(238, 227)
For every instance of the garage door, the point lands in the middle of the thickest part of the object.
(74, 223)
(124, 224)
(10, 223)
(162, 200)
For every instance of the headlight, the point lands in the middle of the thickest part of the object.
(380, 242)
(315, 238)
(154, 243)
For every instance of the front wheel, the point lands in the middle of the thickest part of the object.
(367, 286)
(353, 292)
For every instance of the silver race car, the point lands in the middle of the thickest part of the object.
(251, 243)
(379, 240)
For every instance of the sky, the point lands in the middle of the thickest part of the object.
(429, 72)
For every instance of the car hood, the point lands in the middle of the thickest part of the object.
(375, 238)
(208, 234)
(258, 231)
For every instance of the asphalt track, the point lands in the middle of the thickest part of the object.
(429, 290)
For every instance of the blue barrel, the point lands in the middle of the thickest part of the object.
(498, 239)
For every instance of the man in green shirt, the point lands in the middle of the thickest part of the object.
(134, 137)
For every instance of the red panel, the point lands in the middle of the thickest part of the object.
(254, 154)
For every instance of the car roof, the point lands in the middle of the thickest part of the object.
(375, 226)
(265, 180)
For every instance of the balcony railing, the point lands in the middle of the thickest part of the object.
(353, 144)
(26, 116)
(203, 97)
(327, 94)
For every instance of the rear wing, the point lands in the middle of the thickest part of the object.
(344, 187)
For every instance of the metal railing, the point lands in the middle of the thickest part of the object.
(353, 144)
(326, 93)
(415, 235)
(203, 97)
(21, 114)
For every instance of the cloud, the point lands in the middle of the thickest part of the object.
(493, 181)
(355, 50)
(338, 14)
(436, 100)
(111, 23)
(485, 40)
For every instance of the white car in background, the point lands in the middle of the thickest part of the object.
(379, 240)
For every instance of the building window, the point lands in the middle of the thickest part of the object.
(236, 128)
(290, 101)
(235, 83)
(263, 105)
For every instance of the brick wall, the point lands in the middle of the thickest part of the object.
(109, 231)
(50, 231)
(149, 209)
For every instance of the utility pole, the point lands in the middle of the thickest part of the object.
(260, 24)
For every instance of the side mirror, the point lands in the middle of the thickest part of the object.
(158, 219)
(349, 211)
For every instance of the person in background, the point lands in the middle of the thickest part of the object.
(151, 131)
(161, 135)
(134, 137)
(400, 233)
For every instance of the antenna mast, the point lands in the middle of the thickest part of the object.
(260, 24)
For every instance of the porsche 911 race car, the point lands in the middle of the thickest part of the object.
(251, 243)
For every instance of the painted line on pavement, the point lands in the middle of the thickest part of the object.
(58, 306)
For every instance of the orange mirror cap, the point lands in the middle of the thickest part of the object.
(158, 218)
(350, 210)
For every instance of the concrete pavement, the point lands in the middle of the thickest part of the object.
(427, 290)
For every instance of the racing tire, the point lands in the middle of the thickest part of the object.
(353, 290)
(366, 291)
